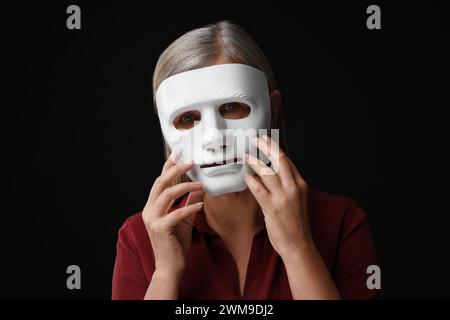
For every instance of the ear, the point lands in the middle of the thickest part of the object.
(275, 106)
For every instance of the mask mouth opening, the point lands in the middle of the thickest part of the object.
(221, 163)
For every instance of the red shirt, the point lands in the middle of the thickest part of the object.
(340, 231)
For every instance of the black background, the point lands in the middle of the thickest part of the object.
(83, 145)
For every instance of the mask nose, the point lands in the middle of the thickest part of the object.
(214, 141)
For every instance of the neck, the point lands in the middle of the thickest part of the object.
(235, 213)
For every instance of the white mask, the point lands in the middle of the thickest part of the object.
(199, 112)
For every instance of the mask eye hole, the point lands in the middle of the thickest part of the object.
(234, 110)
(186, 120)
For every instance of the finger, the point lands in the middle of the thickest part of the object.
(257, 188)
(169, 195)
(176, 216)
(279, 160)
(297, 176)
(170, 162)
(268, 177)
(165, 180)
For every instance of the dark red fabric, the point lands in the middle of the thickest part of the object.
(341, 234)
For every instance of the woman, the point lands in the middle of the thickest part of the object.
(276, 239)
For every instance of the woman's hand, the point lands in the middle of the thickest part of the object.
(283, 196)
(170, 233)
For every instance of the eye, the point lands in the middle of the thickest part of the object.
(186, 120)
(234, 110)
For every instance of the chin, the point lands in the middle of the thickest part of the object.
(223, 183)
(220, 189)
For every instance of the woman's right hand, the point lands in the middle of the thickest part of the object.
(170, 233)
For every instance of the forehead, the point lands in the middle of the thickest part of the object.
(209, 84)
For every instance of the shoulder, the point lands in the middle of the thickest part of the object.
(134, 264)
(133, 234)
(333, 208)
(333, 219)
(133, 225)
(343, 238)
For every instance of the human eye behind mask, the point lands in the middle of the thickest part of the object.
(229, 110)
(234, 110)
(203, 113)
(187, 120)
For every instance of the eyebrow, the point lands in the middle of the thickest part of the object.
(234, 94)
(175, 109)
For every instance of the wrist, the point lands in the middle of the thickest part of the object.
(164, 285)
(299, 253)
(166, 274)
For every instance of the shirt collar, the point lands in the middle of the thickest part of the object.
(200, 220)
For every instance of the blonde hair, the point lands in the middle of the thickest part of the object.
(201, 47)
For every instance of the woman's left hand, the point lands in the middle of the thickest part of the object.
(283, 196)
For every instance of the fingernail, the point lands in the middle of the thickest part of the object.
(173, 157)
(199, 204)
